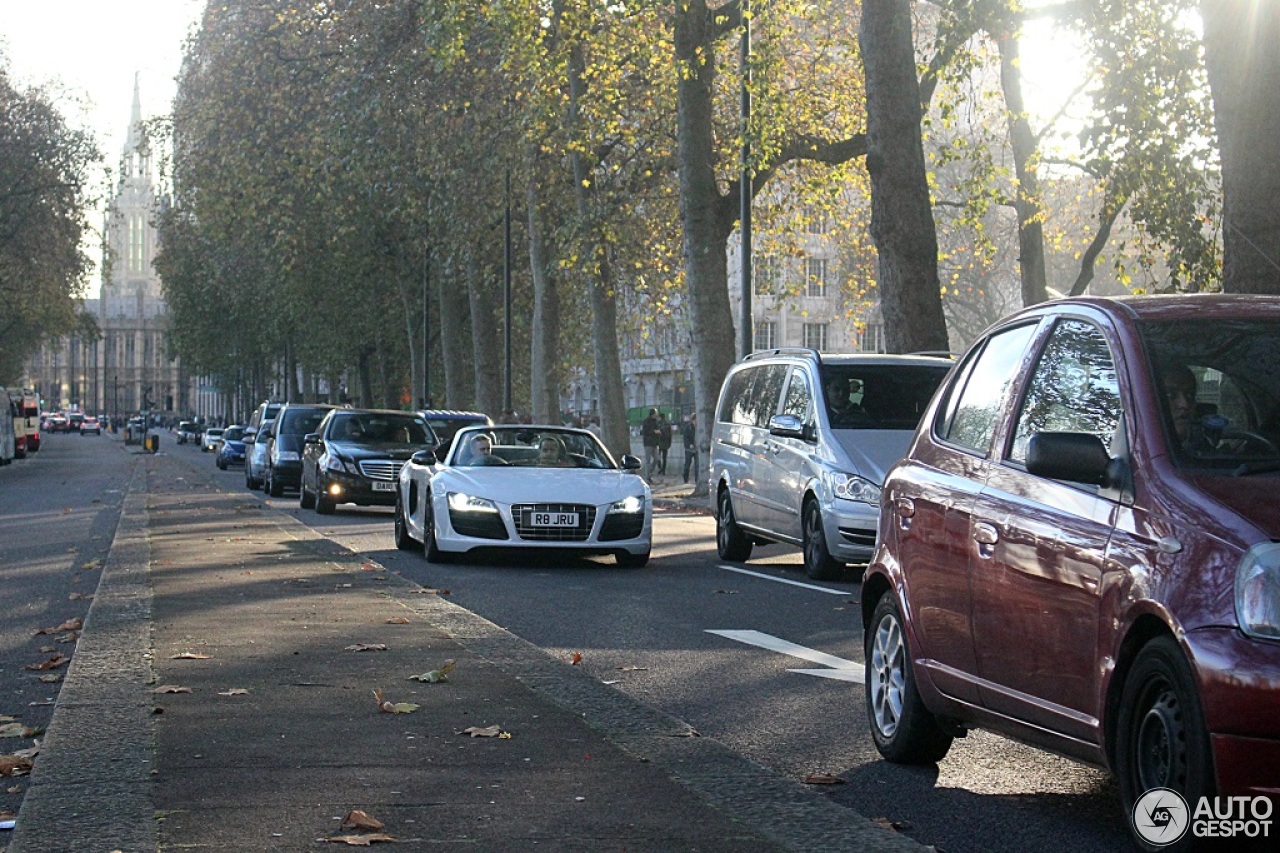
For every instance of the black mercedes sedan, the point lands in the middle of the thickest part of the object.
(355, 456)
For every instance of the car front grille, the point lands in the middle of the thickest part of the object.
(621, 525)
(479, 525)
(381, 469)
(522, 513)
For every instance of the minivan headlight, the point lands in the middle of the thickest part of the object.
(851, 487)
(1258, 591)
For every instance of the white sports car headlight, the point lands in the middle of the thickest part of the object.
(1258, 591)
(459, 502)
(851, 487)
(630, 505)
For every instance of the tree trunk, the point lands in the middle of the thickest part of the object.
(901, 217)
(1240, 37)
(704, 217)
(1027, 197)
(452, 300)
(544, 355)
(485, 348)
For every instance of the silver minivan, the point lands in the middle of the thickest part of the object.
(801, 445)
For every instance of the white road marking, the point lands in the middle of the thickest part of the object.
(839, 669)
(825, 589)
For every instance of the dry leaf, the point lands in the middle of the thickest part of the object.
(48, 650)
(360, 840)
(822, 779)
(13, 730)
(51, 678)
(52, 663)
(91, 565)
(398, 620)
(171, 688)
(426, 590)
(367, 647)
(357, 819)
(727, 591)
(15, 789)
(80, 596)
(575, 658)
(390, 707)
(436, 675)
(370, 566)
(69, 625)
(630, 668)
(234, 691)
(14, 765)
(896, 825)
(69, 638)
(189, 656)
(486, 731)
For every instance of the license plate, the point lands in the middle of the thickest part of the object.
(380, 486)
(553, 519)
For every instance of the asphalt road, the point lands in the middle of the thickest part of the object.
(647, 631)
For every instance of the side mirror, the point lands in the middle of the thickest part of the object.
(424, 458)
(1077, 457)
(787, 426)
(311, 438)
(631, 463)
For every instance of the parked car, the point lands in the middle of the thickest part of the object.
(446, 423)
(800, 447)
(231, 449)
(187, 431)
(525, 487)
(1075, 554)
(211, 440)
(255, 456)
(284, 445)
(90, 424)
(355, 456)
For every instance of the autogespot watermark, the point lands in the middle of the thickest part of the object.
(1161, 817)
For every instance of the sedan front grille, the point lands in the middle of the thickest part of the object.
(381, 469)
(524, 516)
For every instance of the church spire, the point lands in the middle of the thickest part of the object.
(135, 120)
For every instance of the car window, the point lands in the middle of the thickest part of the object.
(972, 410)
(798, 395)
(299, 421)
(1073, 388)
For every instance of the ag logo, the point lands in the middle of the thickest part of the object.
(1160, 816)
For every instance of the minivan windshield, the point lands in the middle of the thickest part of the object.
(1219, 389)
(879, 396)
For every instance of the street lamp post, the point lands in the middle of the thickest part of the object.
(745, 341)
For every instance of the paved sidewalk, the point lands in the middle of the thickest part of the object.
(218, 700)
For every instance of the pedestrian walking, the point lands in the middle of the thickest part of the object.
(649, 435)
(689, 437)
(664, 442)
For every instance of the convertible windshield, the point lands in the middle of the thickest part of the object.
(529, 447)
(1220, 391)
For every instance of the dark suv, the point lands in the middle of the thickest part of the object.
(284, 444)
(1079, 550)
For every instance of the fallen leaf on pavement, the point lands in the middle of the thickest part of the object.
(370, 566)
(389, 707)
(426, 590)
(357, 819)
(14, 765)
(69, 638)
(17, 730)
(189, 656)
(171, 688)
(885, 823)
(69, 625)
(360, 840)
(630, 668)
(727, 591)
(80, 596)
(822, 779)
(48, 650)
(398, 620)
(51, 678)
(435, 676)
(234, 691)
(575, 658)
(14, 789)
(91, 565)
(367, 647)
(52, 663)
(486, 731)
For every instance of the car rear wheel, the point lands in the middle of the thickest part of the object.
(818, 562)
(904, 730)
(627, 560)
(403, 541)
(1161, 739)
(731, 543)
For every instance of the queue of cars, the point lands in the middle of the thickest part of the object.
(1065, 536)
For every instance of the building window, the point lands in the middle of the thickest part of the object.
(766, 335)
(815, 221)
(815, 336)
(872, 338)
(816, 277)
(766, 273)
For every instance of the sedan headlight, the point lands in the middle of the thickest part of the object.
(459, 502)
(630, 505)
(335, 463)
(851, 487)
(1258, 592)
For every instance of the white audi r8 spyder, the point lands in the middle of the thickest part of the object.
(525, 487)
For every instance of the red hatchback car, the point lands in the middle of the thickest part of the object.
(1080, 550)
